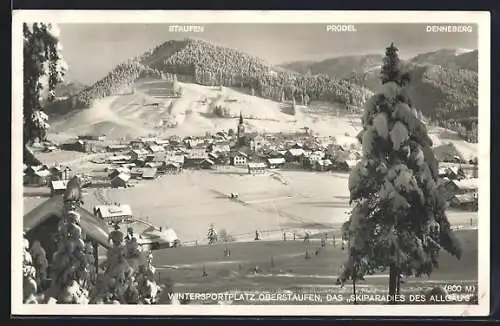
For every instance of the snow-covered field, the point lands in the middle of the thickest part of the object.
(296, 201)
(136, 115)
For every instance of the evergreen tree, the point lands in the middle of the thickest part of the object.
(30, 286)
(398, 220)
(212, 234)
(43, 69)
(391, 64)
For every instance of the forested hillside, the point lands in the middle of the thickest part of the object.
(210, 64)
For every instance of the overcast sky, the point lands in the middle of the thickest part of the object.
(92, 50)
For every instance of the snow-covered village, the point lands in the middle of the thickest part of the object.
(197, 164)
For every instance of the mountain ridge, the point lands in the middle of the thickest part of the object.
(210, 64)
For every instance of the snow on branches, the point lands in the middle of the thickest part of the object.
(398, 217)
(129, 276)
(44, 68)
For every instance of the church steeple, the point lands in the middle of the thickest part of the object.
(241, 130)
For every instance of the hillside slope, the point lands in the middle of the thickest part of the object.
(340, 67)
(209, 64)
(139, 114)
(449, 59)
(440, 93)
(444, 82)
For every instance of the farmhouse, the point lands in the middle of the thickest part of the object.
(161, 142)
(156, 157)
(118, 171)
(170, 168)
(323, 165)
(467, 201)
(136, 144)
(179, 159)
(41, 224)
(207, 164)
(470, 170)
(448, 153)
(147, 140)
(58, 187)
(153, 165)
(155, 149)
(221, 148)
(78, 146)
(194, 158)
(136, 173)
(135, 154)
(117, 158)
(275, 163)
(92, 137)
(116, 148)
(213, 156)
(149, 173)
(120, 180)
(457, 171)
(113, 213)
(294, 154)
(59, 173)
(140, 162)
(256, 168)
(450, 172)
(238, 158)
(456, 187)
(38, 176)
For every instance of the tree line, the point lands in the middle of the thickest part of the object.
(214, 65)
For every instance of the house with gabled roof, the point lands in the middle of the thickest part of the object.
(294, 154)
(113, 213)
(238, 158)
(58, 187)
(121, 180)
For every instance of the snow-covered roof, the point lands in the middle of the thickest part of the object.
(161, 141)
(114, 210)
(59, 184)
(43, 173)
(278, 160)
(123, 176)
(156, 148)
(470, 184)
(256, 165)
(174, 159)
(149, 172)
(296, 151)
(351, 163)
(465, 198)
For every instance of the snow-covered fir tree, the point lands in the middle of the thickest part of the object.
(398, 220)
(70, 271)
(43, 69)
(129, 276)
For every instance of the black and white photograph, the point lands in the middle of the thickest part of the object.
(250, 164)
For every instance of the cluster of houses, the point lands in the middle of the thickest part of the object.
(459, 177)
(149, 158)
(56, 177)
